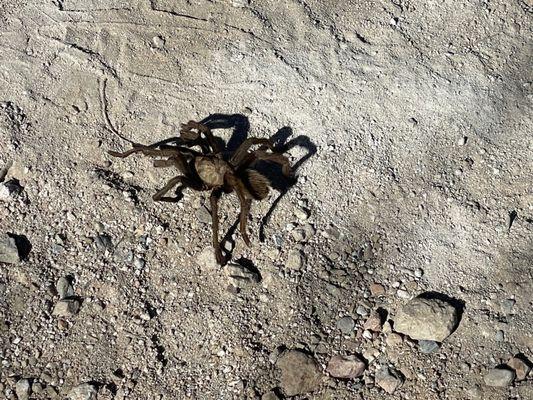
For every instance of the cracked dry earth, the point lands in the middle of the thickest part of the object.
(421, 183)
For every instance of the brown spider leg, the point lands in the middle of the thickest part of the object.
(171, 183)
(147, 151)
(187, 133)
(237, 184)
(241, 153)
(215, 196)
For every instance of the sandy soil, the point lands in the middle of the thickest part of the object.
(414, 149)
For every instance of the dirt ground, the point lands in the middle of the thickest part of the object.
(410, 124)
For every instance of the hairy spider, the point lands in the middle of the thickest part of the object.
(211, 169)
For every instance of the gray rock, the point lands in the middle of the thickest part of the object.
(428, 346)
(300, 373)
(361, 310)
(23, 389)
(346, 325)
(346, 367)
(499, 377)
(499, 336)
(103, 242)
(507, 306)
(389, 379)
(426, 319)
(9, 253)
(295, 260)
(85, 391)
(66, 308)
(64, 288)
(240, 276)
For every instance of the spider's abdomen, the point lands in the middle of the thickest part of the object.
(211, 170)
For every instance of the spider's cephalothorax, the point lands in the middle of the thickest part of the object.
(208, 170)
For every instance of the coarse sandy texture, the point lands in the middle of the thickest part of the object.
(420, 114)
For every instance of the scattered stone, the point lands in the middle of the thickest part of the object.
(203, 215)
(428, 346)
(300, 373)
(393, 339)
(499, 377)
(103, 242)
(207, 259)
(500, 336)
(37, 387)
(138, 262)
(240, 276)
(377, 289)
(521, 366)
(295, 260)
(66, 308)
(85, 391)
(373, 323)
(403, 294)
(507, 306)
(346, 367)
(389, 379)
(23, 389)
(301, 214)
(270, 396)
(158, 41)
(9, 190)
(419, 272)
(426, 319)
(462, 141)
(64, 288)
(346, 325)
(9, 253)
(361, 310)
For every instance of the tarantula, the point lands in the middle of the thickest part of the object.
(211, 169)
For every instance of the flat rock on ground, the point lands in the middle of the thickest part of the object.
(426, 319)
(300, 373)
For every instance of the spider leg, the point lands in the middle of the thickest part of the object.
(275, 158)
(245, 201)
(146, 150)
(215, 196)
(241, 153)
(171, 183)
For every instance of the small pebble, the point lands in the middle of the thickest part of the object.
(301, 214)
(521, 366)
(389, 379)
(499, 377)
(419, 272)
(507, 306)
(462, 141)
(377, 289)
(64, 288)
(295, 260)
(9, 253)
(361, 310)
(85, 391)
(403, 294)
(499, 337)
(428, 346)
(23, 389)
(346, 325)
(66, 308)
